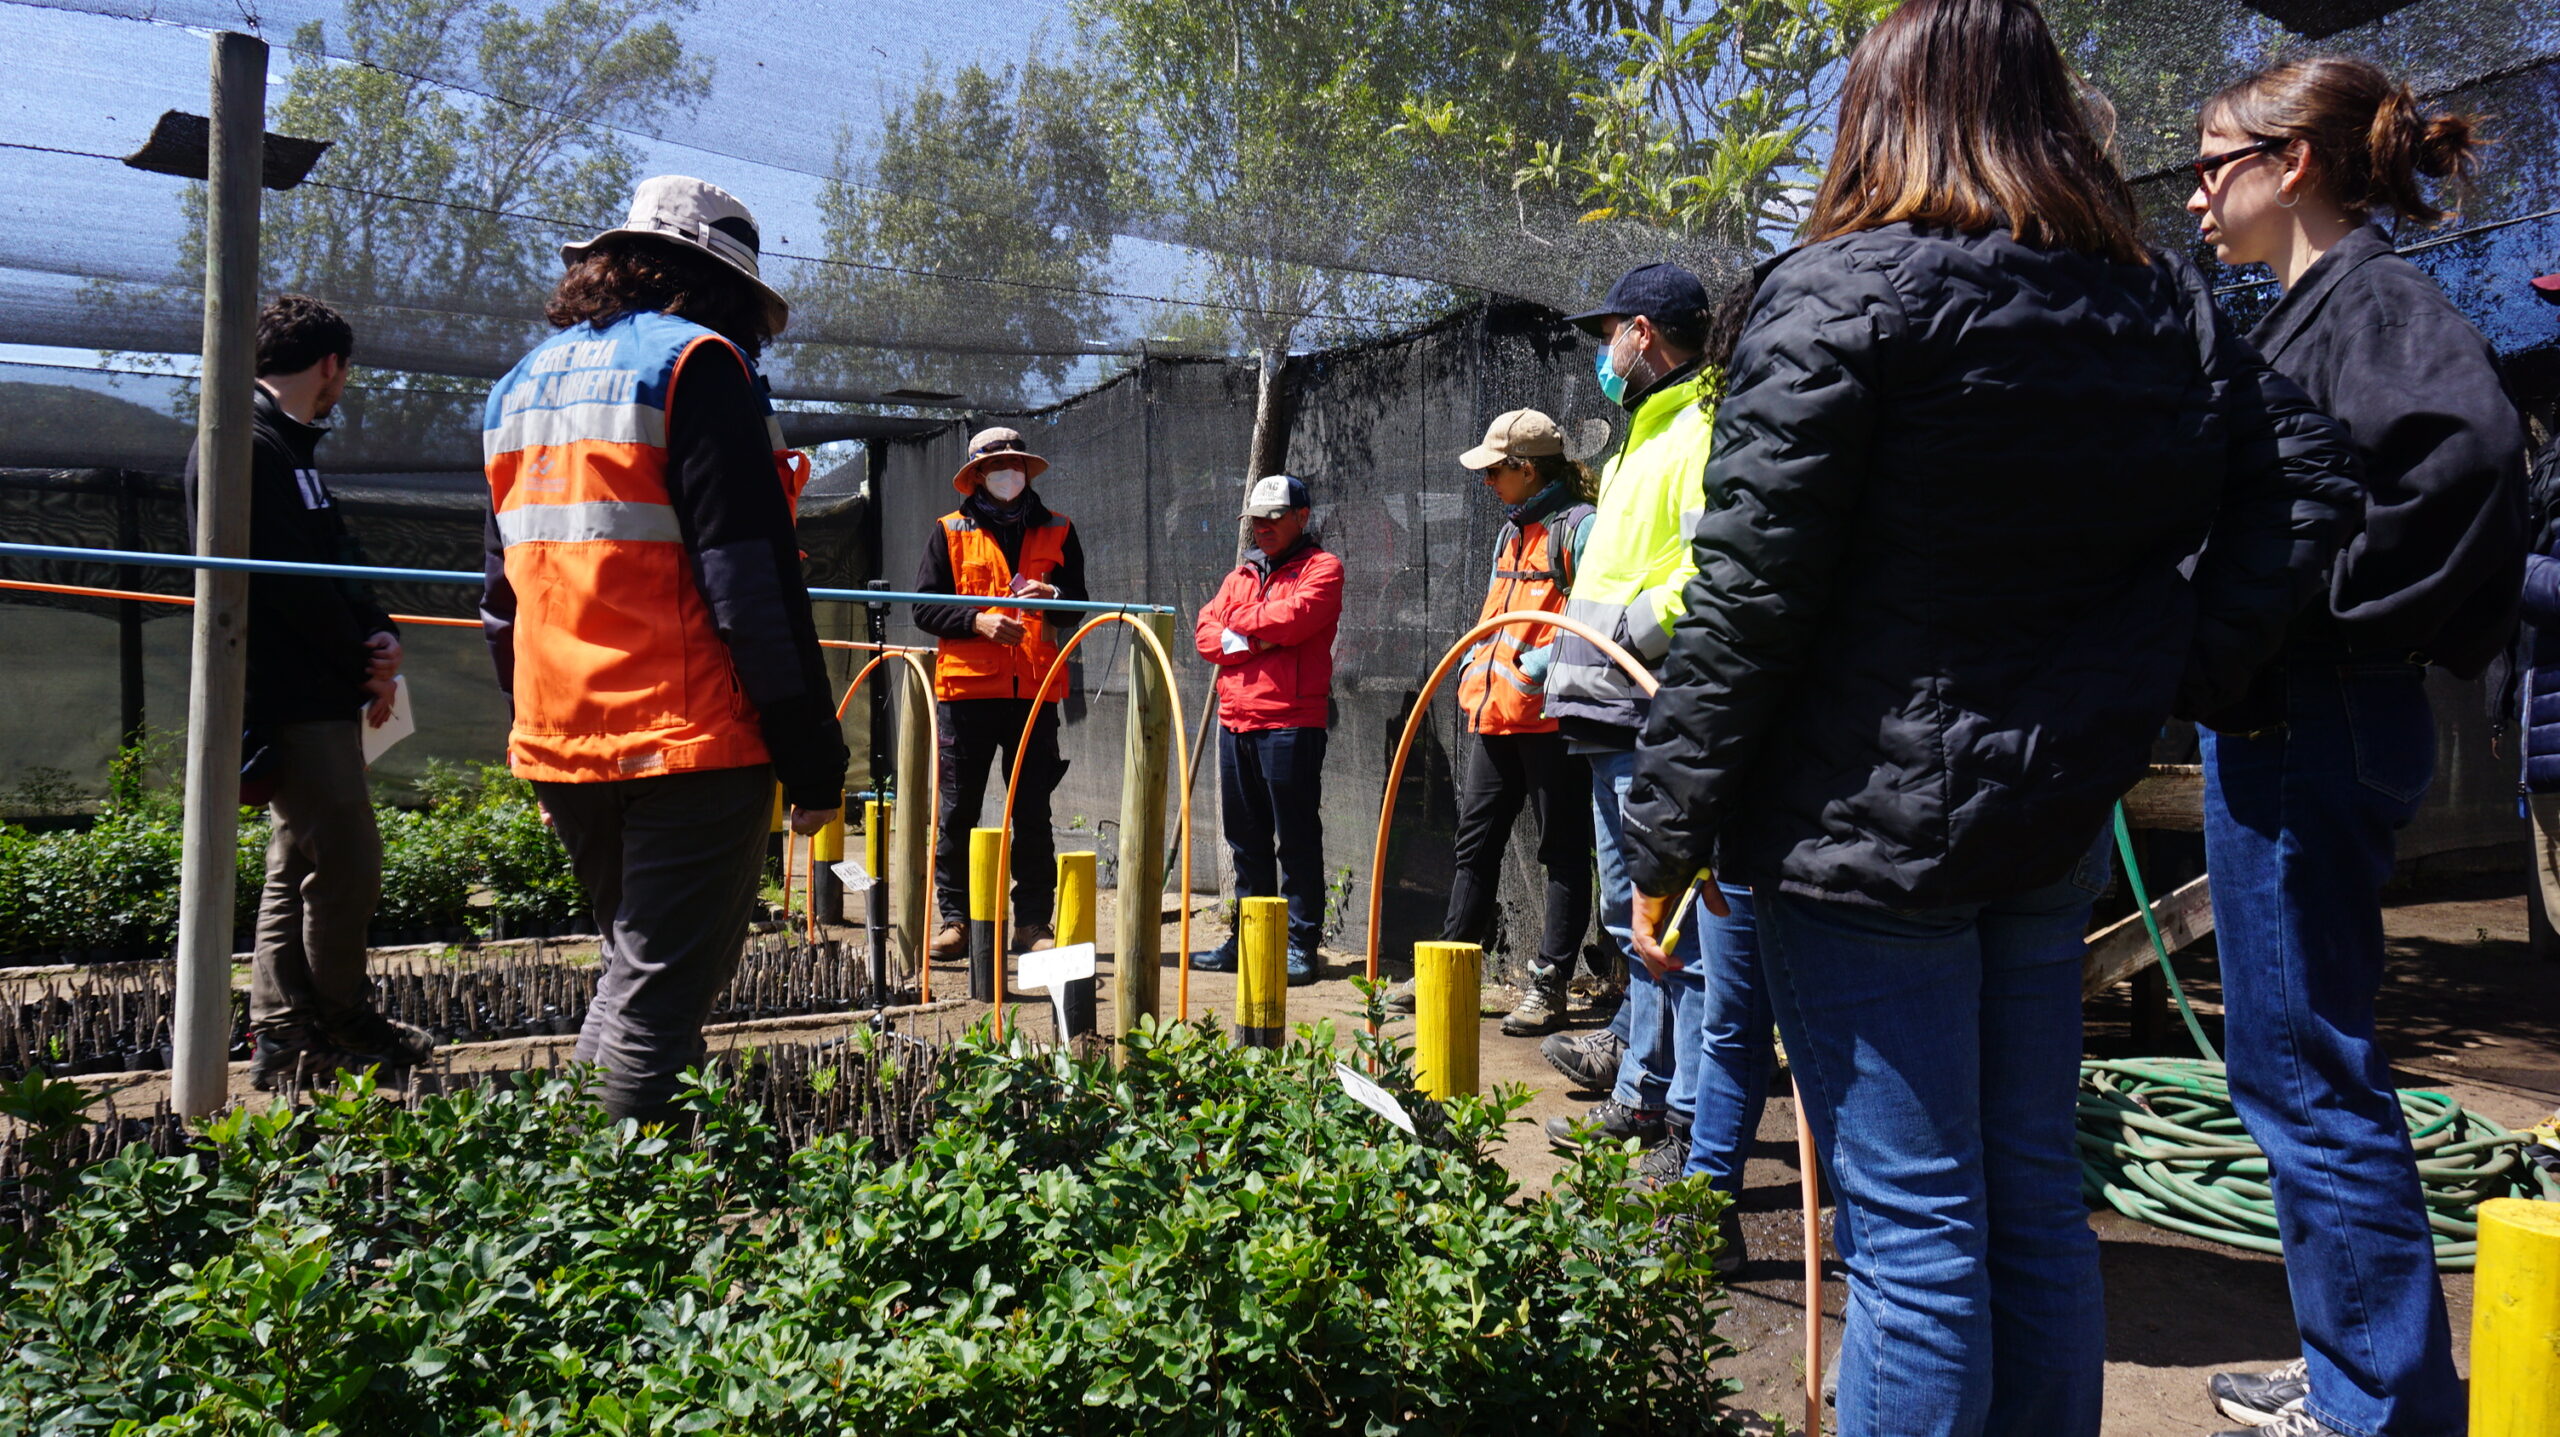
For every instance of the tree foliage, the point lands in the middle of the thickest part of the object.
(1266, 134)
(1710, 126)
(1000, 176)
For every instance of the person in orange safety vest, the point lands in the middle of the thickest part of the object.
(1001, 542)
(646, 609)
(1514, 757)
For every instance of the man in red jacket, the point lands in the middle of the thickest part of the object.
(1270, 632)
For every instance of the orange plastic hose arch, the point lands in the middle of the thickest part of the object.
(1810, 1183)
(933, 794)
(188, 601)
(1013, 786)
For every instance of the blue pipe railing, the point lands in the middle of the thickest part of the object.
(146, 559)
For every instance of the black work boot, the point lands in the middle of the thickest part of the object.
(376, 1040)
(290, 1055)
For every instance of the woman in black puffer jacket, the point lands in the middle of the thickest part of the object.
(1999, 493)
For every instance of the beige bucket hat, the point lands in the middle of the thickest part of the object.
(985, 448)
(683, 210)
(1520, 434)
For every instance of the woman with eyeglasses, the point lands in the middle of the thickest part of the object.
(2308, 780)
(1972, 432)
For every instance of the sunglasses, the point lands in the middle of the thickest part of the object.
(2206, 166)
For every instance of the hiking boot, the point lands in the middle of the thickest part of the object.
(1400, 998)
(1615, 1121)
(1541, 1008)
(1305, 966)
(1589, 1061)
(1221, 959)
(1663, 1165)
(2294, 1421)
(1032, 937)
(377, 1040)
(1732, 1253)
(292, 1056)
(950, 943)
(2259, 1398)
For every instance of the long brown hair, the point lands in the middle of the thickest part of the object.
(629, 274)
(1961, 115)
(1557, 469)
(2369, 143)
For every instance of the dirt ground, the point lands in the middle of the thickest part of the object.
(2467, 1010)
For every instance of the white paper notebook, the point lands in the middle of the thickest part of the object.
(402, 723)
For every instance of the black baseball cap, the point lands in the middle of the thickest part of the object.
(1656, 291)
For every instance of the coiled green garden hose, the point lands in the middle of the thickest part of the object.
(2161, 1142)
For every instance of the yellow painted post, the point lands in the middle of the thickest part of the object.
(1447, 1017)
(1262, 973)
(826, 891)
(875, 900)
(1075, 898)
(781, 810)
(2515, 1321)
(1076, 889)
(983, 901)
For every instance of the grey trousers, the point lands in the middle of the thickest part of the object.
(324, 875)
(670, 865)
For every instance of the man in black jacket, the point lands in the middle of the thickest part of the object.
(321, 657)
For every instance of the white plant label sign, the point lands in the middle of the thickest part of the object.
(1369, 1095)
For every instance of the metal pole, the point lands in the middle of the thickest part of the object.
(217, 675)
(875, 900)
(911, 898)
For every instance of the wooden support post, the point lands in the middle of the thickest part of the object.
(1147, 756)
(217, 674)
(1447, 1013)
(2515, 1321)
(910, 896)
(1262, 973)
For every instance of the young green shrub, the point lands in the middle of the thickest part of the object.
(1205, 1239)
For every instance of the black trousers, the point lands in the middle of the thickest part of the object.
(975, 733)
(670, 865)
(1504, 772)
(1271, 784)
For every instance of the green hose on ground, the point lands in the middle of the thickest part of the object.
(2161, 1143)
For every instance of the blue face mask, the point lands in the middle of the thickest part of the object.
(1612, 384)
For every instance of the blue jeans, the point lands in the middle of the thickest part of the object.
(1659, 1020)
(1938, 1053)
(1271, 787)
(2298, 827)
(1734, 1054)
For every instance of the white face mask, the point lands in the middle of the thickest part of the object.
(1006, 485)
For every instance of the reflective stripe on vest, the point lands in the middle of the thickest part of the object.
(975, 668)
(1493, 693)
(619, 669)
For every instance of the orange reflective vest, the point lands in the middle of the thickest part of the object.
(619, 670)
(1532, 569)
(975, 668)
